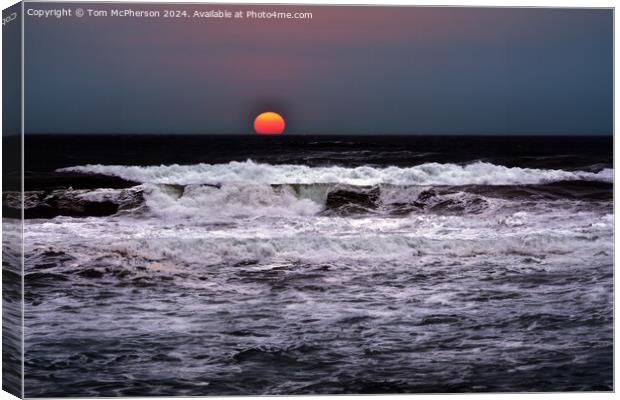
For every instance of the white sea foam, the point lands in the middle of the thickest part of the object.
(228, 201)
(179, 236)
(101, 195)
(477, 173)
(317, 248)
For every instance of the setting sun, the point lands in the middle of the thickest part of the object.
(269, 123)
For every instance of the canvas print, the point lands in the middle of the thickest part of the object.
(219, 199)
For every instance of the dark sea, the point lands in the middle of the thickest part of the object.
(238, 265)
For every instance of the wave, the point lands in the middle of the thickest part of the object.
(476, 173)
(251, 200)
(243, 201)
(226, 201)
(320, 248)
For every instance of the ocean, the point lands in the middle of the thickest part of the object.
(238, 265)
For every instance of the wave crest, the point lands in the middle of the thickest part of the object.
(477, 173)
(232, 200)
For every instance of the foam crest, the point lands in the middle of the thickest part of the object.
(477, 173)
(227, 201)
(371, 248)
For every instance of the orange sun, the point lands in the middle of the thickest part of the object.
(269, 123)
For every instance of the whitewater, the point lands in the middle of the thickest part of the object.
(476, 173)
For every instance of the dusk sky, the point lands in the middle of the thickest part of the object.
(348, 70)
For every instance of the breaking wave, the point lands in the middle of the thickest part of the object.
(370, 247)
(476, 173)
(230, 200)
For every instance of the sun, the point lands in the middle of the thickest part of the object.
(269, 123)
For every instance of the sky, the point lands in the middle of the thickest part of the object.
(348, 70)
